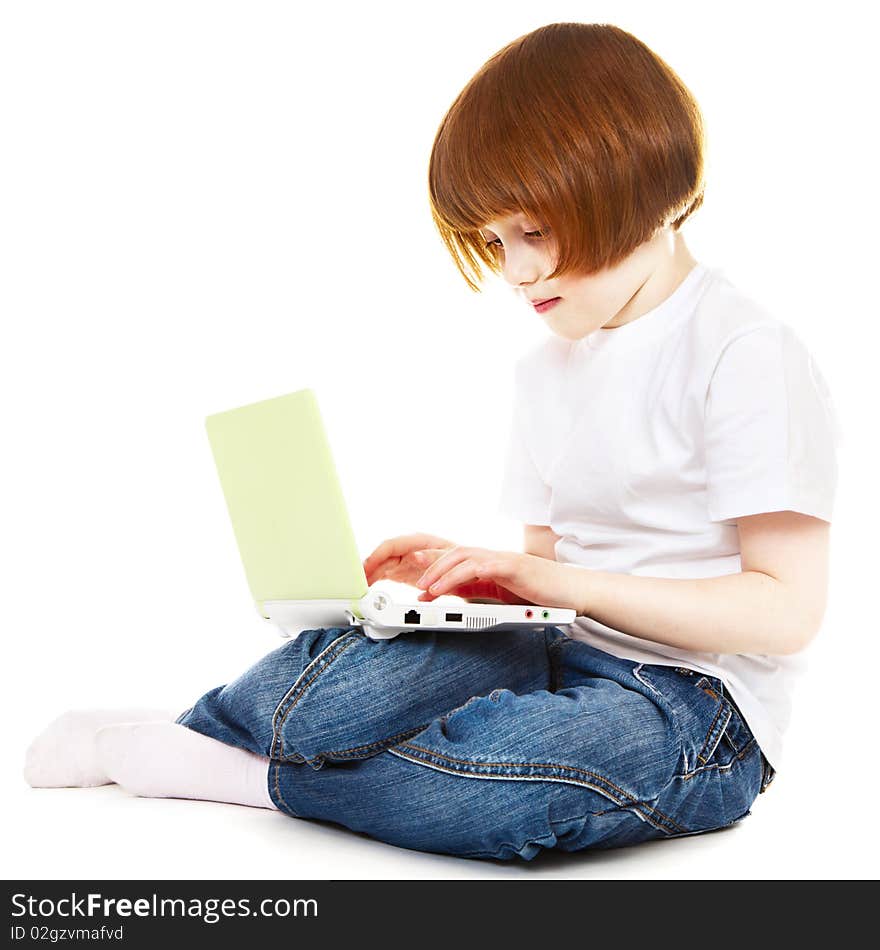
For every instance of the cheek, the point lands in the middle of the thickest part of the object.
(597, 298)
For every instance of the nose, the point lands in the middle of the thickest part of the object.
(521, 267)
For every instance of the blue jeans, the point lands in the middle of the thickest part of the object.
(489, 745)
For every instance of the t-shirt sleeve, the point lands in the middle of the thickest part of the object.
(524, 494)
(771, 433)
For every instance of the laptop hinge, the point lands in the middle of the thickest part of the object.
(291, 617)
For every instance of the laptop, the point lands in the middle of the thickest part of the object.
(295, 538)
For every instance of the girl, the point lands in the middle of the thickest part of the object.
(672, 459)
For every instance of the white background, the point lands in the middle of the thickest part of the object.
(205, 204)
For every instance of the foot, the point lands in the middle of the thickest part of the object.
(64, 754)
(168, 760)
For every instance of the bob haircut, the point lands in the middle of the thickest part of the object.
(582, 128)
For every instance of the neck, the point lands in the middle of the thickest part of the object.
(667, 261)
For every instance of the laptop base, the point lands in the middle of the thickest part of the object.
(382, 618)
(292, 617)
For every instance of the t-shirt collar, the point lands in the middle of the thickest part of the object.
(656, 321)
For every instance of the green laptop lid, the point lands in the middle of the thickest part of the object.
(285, 501)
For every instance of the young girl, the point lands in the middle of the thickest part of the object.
(672, 459)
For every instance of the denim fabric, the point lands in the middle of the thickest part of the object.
(491, 745)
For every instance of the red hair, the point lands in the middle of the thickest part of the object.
(581, 127)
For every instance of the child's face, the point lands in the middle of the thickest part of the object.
(608, 298)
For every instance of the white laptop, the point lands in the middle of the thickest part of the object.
(296, 542)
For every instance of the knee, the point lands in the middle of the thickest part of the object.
(356, 698)
(243, 712)
(361, 696)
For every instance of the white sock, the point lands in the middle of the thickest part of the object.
(64, 754)
(168, 760)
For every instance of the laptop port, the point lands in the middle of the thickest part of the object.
(454, 617)
(412, 616)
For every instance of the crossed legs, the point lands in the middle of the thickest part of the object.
(474, 744)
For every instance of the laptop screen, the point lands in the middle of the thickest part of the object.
(285, 500)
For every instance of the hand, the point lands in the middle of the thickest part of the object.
(508, 576)
(404, 558)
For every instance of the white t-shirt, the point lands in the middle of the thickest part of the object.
(641, 445)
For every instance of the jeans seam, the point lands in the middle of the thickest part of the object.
(710, 743)
(727, 707)
(640, 674)
(321, 662)
(645, 682)
(281, 798)
(725, 767)
(627, 800)
(353, 753)
(406, 734)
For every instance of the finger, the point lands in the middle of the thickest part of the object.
(402, 568)
(460, 574)
(427, 596)
(447, 560)
(378, 556)
(385, 558)
(462, 591)
(390, 569)
(399, 546)
(473, 577)
(381, 554)
(428, 556)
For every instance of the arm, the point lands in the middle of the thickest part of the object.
(774, 606)
(540, 539)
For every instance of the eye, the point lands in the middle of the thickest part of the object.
(496, 242)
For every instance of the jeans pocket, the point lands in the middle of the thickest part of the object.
(717, 732)
(728, 736)
(723, 771)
